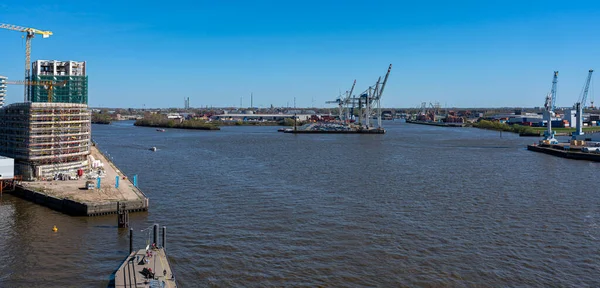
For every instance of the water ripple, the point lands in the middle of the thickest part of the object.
(247, 206)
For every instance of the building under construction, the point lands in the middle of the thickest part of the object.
(45, 139)
(2, 90)
(71, 73)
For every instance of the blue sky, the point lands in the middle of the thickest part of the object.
(458, 53)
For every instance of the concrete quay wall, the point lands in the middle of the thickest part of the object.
(75, 208)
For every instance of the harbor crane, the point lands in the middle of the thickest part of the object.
(49, 85)
(343, 103)
(30, 33)
(579, 106)
(372, 96)
(549, 107)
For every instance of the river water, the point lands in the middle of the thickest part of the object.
(250, 207)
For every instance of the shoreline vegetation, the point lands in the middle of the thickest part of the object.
(497, 126)
(159, 121)
(101, 118)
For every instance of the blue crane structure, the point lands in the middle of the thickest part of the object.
(371, 99)
(579, 106)
(343, 103)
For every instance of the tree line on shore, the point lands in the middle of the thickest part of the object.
(161, 121)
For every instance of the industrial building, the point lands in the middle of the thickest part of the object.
(2, 90)
(70, 78)
(45, 139)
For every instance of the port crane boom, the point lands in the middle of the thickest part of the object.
(49, 85)
(580, 104)
(549, 111)
(373, 96)
(344, 102)
(365, 101)
(347, 102)
(30, 33)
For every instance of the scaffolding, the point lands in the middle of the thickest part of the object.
(45, 138)
(72, 73)
(2, 90)
(75, 89)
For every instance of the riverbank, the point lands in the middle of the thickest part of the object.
(170, 123)
(441, 124)
(101, 122)
(101, 118)
(247, 123)
(71, 197)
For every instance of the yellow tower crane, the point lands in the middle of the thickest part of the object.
(47, 84)
(30, 33)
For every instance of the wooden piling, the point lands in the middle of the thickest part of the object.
(130, 240)
(164, 237)
(122, 215)
(155, 234)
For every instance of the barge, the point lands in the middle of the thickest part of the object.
(148, 267)
(565, 150)
(333, 128)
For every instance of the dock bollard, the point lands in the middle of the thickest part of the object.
(164, 237)
(130, 240)
(155, 234)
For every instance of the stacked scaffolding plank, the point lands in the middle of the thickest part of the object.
(45, 138)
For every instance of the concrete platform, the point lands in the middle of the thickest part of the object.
(131, 272)
(71, 197)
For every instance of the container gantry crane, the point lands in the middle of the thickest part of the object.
(49, 85)
(30, 33)
(549, 106)
(579, 106)
(372, 96)
(344, 103)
